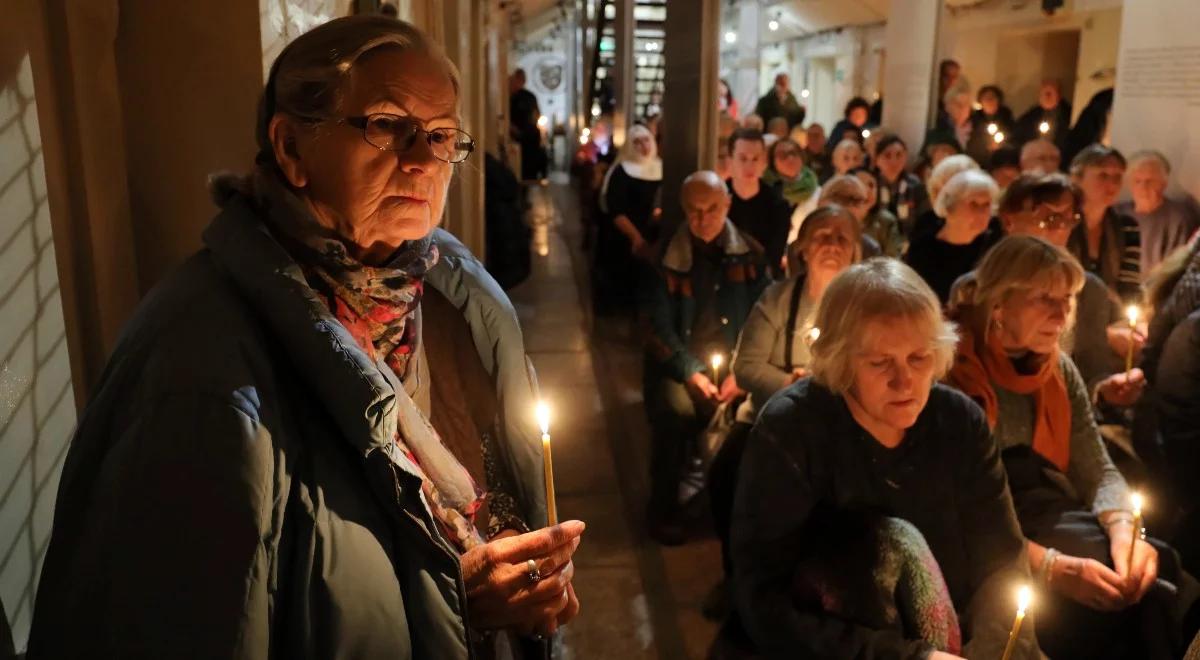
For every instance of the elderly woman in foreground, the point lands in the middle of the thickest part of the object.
(872, 518)
(297, 449)
(1072, 502)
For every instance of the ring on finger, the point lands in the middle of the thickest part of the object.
(531, 569)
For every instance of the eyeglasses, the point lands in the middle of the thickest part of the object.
(1055, 220)
(388, 132)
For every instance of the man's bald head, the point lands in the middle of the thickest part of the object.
(705, 201)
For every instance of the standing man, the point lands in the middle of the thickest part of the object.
(710, 277)
(1164, 224)
(756, 208)
(780, 102)
(1051, 113)
(523, 113)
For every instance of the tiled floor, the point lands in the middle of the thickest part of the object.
(639, 600)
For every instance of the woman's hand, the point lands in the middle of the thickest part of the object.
(1141, 576)
(701, 388)
(729, 389)
(798, 374)
(1120, 335)
(500, 593)
(643, 250)
(1121, 389)
(1089, 583)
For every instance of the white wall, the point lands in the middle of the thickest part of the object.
(37, 404)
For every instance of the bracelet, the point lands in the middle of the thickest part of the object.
(1046, 569)
(1118, 519)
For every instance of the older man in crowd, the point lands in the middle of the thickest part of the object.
(1164, 223)
(779, 101)
(1040, 156)
(710, 277)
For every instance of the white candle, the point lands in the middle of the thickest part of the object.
(716, 361)
(1136, 500)
(1132, 313)
(543, 418)
(1024, 596)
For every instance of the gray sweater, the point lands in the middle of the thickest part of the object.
(1091, 475)
(759, 361)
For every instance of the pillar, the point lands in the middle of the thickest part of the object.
(622, 75)
(463, 31)
(689, 104)
(909, 74)
(747, 86)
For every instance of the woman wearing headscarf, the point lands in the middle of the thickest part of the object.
(313, 439)
(629, 233)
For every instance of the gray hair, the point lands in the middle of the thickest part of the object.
(876, 288)
(963, 185)
(307, 78)
(1152, 156)
(945, 170)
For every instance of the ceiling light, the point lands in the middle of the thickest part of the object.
(731, 37)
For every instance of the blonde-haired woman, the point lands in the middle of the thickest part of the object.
(871, 516)
(1072, 502)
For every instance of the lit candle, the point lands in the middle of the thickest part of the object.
(998, 137)
(1044, 127)
(866, 133)
(1136, 500)
(992, 128)
(716, 361)
(543, 418)
(1131, 312)
(1024, 595)
(813, 336)
(543, 121)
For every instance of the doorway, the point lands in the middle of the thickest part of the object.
(1024, 60)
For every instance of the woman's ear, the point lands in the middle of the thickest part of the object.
(284, 133)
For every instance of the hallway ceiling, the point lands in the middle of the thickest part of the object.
(800, 17)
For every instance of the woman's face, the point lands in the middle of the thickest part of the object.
(829, 249)
(893, 371)
(847, 159)
(858, 116)
(374, 199)
(1033, 319)
(891, 161)
(644, 145)
(1052, 220)
(788, 161)
(1101, 184)
(868, 180)
(990, 103)
(972, 213)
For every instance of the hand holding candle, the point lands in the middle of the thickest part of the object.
(1136, 500)
(1024, 596)
(716, 360)
(543, 418)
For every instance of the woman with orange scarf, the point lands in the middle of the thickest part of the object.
(1071, 501)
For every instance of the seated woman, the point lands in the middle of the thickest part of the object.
(793, 179)
(929, 221)
(847, 155)
(849, 192)
(772, 351)
(900, 192)
(870, 456)
(966, 203)
(1072, 503)
(878, 222)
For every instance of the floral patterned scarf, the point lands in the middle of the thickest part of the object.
(378, 306)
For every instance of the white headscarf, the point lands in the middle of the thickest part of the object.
(646, 168)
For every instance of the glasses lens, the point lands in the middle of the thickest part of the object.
(451, 144)
(390, 132)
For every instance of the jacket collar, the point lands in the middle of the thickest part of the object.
(678, 256)
(358, 394)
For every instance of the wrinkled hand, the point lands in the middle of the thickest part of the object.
(1141, 576)
(499, 591)
(1089, 583)
(798, 374)
(1121, 391)
(729, 390)
(700, 388)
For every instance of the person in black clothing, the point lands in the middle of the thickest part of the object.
(816, 157)
(523, 115)
(854, 119)
(859, 480)
(1004, 166)
(1092, 125)
(900, 193)
(627, 235)
(993, 118)
(1051, 113)
(757, 208)
(967, 203)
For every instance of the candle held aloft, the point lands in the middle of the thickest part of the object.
(1044, 127)
(998, 137)
(1136, 500)
(543, 418)
(1132, 313)
(716, 360)
(1024, 596)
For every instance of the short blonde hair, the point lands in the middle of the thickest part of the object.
(1016, 263)
(876, 288)
(963, 185)
(946, 170)
(843, 190)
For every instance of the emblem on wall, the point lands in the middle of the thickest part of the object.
(550, 74)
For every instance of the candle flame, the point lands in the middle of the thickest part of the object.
(866, 133)
(1136, 500)
(1044, 127)
(542, 121)
(1132, 313)
(543, 417)
(998, 137)
(1024, 597)
(814, 334)
(992, 128)
(716, 360)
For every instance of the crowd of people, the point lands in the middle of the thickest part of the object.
(909, 381)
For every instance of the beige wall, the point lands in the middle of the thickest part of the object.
(37, 405)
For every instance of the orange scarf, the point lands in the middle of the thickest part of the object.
(975, 372)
